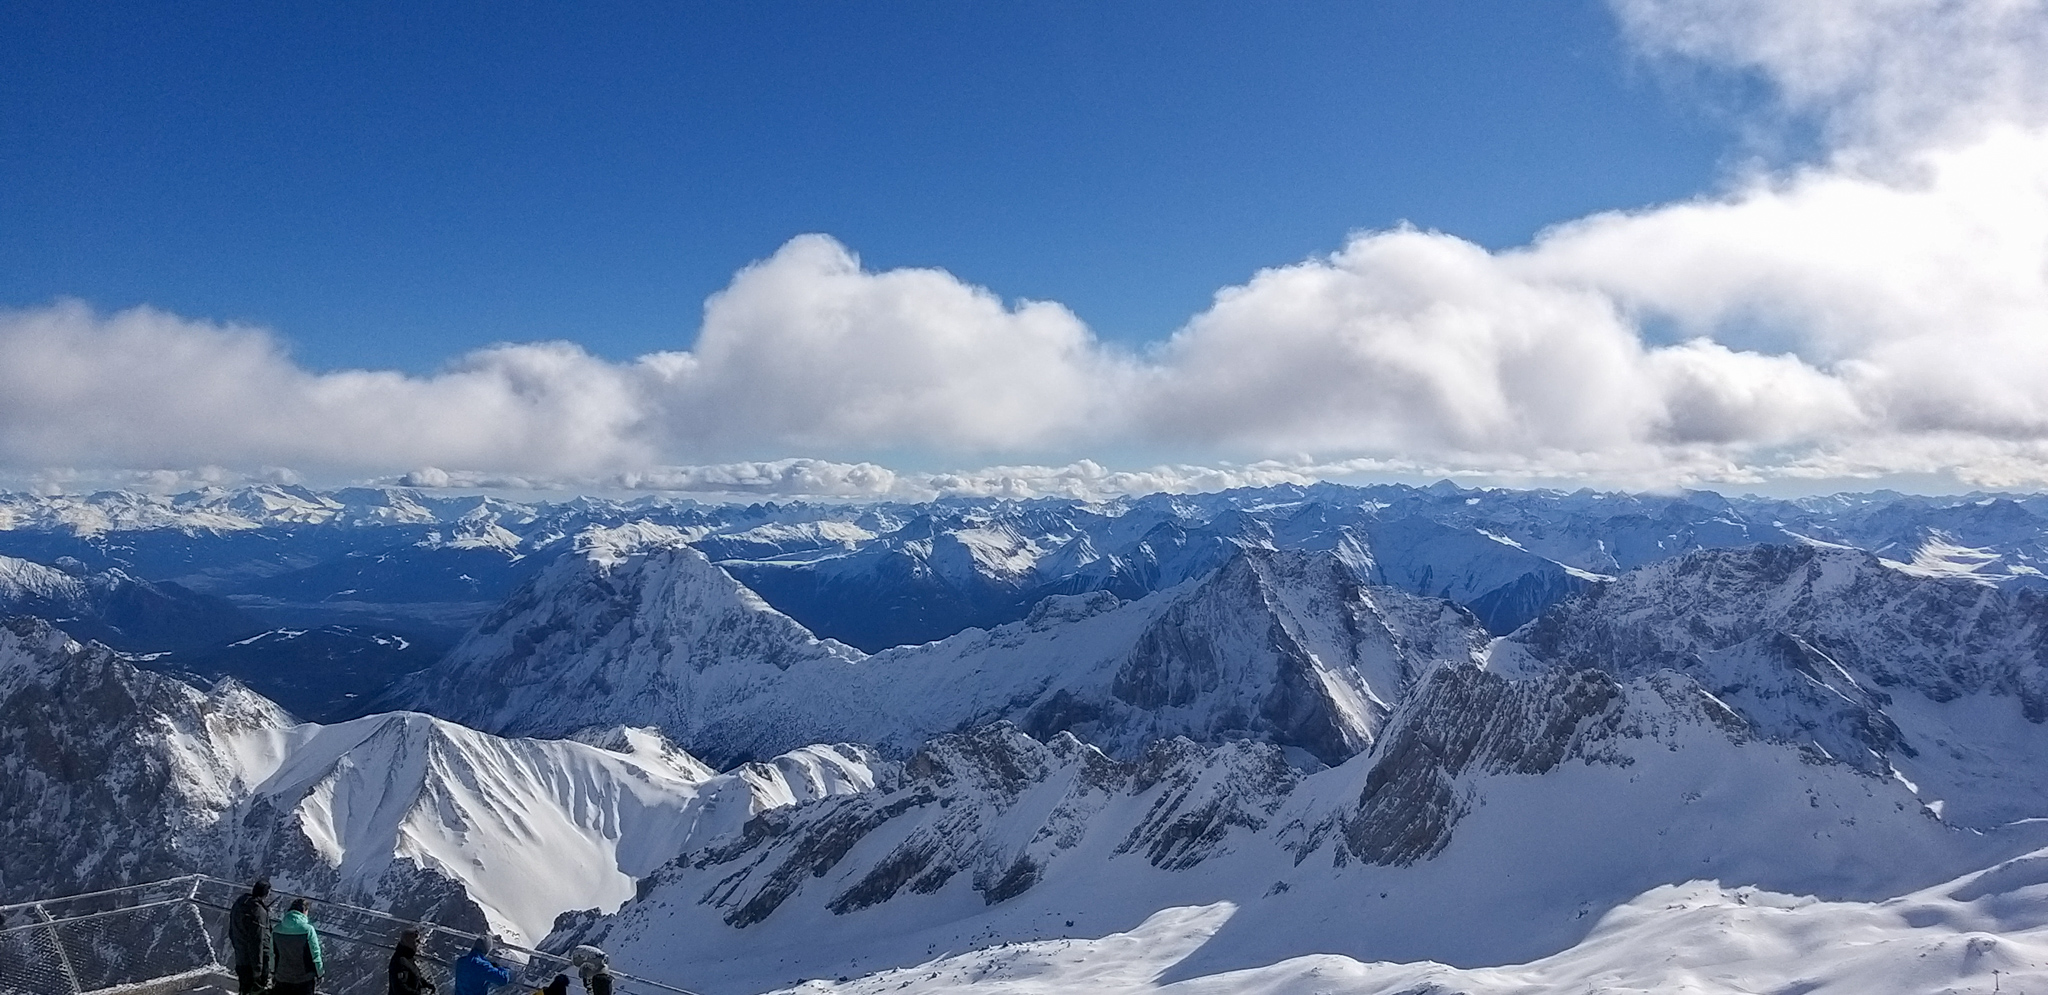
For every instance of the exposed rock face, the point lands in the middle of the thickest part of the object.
(1937, 638)
(1525, 797)
(1289, 648)
(1467, 722)
(992, 807)
(107, 774)
(997, 808)
(111, 775)
(637, 628)
(1282, 647)
(1943, 680)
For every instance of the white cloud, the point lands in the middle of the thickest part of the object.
(1884, 311)
(145, 388)
(806, 350)
(1874, 72)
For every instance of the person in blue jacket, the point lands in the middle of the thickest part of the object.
(476, 973)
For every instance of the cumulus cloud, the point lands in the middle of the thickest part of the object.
(146, 388)
(1871, 72)
(1881, 311)
(808, 350)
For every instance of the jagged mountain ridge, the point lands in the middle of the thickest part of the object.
(115, 608)
(1537, 801)
(1282, 646)
(115, 775)
(884, 574)
(1943, 680)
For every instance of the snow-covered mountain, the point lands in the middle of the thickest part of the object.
(1494, 821)
(115, 775)
(430, 564)
(639, 627)
(1943, 681)
(1303, 738)
(115, 608)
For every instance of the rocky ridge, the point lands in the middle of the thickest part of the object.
(1285, 647)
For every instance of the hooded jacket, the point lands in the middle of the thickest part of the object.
(406, 976)
(476, 975)
(249, 932)
(297, 949)
(595, 966)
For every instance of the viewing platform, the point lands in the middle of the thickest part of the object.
(169, 938)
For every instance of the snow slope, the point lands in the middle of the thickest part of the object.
(1495, 822)
(116, 608)
(1281, 646)
(1943, 680)
(1984, 932)
(116, 775)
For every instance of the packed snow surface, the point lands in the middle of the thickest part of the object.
(1982, 933)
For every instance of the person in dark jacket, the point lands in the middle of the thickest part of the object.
(249, 934)
(559, 986)
(406, 977)
(476, 973)
(296, 948)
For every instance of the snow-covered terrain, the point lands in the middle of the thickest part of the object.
(1496, 822)
(1940, 680)
(115, 774)
(641, 628)
(1383, 739)
(885, 574)
(1982, 933)
(115, 608)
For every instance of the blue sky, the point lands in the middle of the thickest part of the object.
(391, 185)
(906, 248)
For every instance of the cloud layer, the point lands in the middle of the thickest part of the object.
(1884, 311)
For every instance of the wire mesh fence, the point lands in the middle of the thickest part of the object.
(170, 938)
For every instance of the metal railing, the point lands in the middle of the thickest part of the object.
(169, 937)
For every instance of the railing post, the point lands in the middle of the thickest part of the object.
(199, 921)
(57, 940)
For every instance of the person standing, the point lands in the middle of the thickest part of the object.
(476, 973)
(296, 951)
(249, 934)
(595, 967)
(406, 977)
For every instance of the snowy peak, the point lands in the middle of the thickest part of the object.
(989, 811)
(1280, 646)
(1939, 680)
(120, 775)
(1468, 722)
(620, 632)
(1941, 639)
(1533, 805)
(1288, 647)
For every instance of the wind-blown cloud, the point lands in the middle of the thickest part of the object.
(1882, 311)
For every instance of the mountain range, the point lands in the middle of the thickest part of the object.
(1376, 739)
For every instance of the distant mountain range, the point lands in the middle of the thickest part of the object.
(1415, 726)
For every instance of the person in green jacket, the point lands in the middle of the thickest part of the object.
(296, 951)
